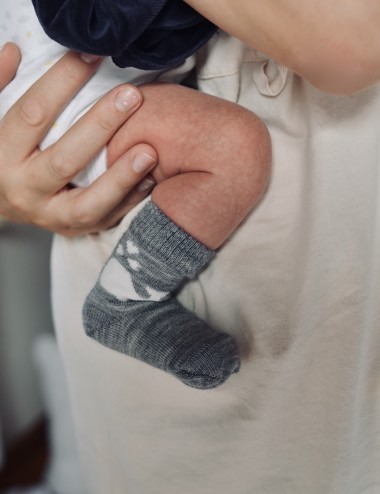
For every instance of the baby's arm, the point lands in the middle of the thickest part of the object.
(214, 158)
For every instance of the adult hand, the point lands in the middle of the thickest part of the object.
(34, 184)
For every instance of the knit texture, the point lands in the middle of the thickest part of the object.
(132, 308)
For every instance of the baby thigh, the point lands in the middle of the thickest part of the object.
(220, 170)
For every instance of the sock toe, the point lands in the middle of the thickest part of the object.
(164, 335)
(209, 364)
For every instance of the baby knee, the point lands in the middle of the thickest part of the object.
(252, 152)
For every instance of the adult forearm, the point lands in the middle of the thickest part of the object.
(334, 45)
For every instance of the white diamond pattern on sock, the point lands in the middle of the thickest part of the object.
(132, 248)
(117, 281)
(133, 264)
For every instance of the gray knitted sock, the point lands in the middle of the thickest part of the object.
(131, 308)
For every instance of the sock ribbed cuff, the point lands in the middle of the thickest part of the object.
(159, 235)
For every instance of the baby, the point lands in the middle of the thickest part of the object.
(213, 169)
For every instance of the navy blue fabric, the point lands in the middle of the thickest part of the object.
(147, 34)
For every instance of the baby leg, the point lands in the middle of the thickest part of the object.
(194, 208)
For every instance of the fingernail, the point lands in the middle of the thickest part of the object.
(146, 185)
(126, 99)
(87, 58)
(143, 162)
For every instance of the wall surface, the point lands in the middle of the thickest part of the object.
(24, 313)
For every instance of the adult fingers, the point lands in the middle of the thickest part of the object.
(53, 168)
(130, 202)
(111, 196)
(9, 60)
(36, 110)
(123, 182)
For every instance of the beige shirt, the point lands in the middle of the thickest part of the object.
(298, 286)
